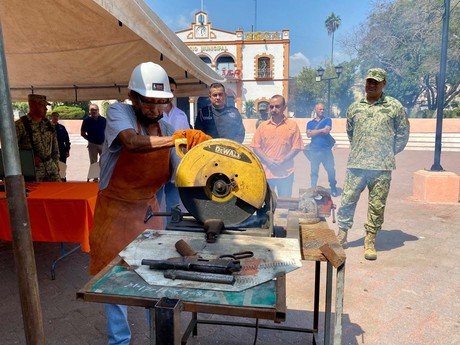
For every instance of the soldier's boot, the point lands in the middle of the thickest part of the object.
(369, 246)
(342, 238)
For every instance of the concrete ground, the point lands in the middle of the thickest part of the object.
(408, 296)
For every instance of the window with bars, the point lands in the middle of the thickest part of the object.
(264, 68)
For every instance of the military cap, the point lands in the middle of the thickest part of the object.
(378, 74)
(37, 98)
(263, 106)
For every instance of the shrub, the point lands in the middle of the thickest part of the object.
(68, 112)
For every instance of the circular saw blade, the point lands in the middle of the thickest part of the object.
(233, 211)
(221, 179)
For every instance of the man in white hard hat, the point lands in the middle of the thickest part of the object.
(135, 163)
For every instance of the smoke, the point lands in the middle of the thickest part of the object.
(297, 62)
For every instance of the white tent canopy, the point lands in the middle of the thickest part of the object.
(86, 49)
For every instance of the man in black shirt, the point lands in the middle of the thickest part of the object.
(219, 120)
(92, 129)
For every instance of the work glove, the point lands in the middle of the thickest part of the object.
(193, 136)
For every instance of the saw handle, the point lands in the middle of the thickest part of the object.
(181, 146)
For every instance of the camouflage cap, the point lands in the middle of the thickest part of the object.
(263, 106)
(37, 98)
(378, 74)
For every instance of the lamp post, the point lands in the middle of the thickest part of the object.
(319, 77)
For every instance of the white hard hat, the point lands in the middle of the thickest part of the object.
(150, 80)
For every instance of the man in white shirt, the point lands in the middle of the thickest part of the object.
(172, 114)
(178, 120)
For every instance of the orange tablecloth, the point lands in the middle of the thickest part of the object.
(58, 212)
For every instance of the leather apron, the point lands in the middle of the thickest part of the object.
(122, 206)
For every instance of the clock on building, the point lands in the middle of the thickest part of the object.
(201, 31)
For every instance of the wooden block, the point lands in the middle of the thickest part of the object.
(332, 256)
(314, 237)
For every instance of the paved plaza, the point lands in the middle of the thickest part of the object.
(410, 295)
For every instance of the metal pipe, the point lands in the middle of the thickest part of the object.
(441, 88)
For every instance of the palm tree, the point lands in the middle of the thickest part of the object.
(332, 23)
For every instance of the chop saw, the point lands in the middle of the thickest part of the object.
(222, 185)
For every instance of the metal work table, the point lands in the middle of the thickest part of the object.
(122, 285)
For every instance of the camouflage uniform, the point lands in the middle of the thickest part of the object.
(46, 149)
(377, 132)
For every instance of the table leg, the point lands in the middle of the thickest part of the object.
(152, 334)
(316, 300)
(192, 327)
(328, 309)
(167, 321)
(340, 281)
(63, 255)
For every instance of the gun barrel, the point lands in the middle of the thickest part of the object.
(218, 266)
(200, 276)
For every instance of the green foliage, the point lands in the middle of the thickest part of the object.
(422, 114)
(404, 37)
(452, 114)
(82, 105)
(332, 24)
(104, 108)
(306, 91)
(69, 112)
(249, 109)
(23, 107)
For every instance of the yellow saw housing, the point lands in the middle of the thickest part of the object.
(221, 179)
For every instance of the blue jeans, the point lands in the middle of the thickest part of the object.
(172, 198)
(283, 186)
(325, 157)
(118, 332)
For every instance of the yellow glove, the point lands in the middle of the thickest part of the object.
(193, 136)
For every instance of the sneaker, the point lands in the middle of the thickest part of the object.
(334, 192)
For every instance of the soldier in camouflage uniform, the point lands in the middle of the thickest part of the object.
(34, 131)
(378, 129)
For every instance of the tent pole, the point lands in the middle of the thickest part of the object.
(19, 216)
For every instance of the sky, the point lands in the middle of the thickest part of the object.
(310, 42)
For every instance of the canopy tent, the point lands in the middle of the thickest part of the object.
(86, 49)
(75, 50)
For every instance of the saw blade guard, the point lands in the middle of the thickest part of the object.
(221, 179)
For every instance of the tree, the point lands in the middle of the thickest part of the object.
(23, 107)
(332, 23)
(403, 37)
(305, 91)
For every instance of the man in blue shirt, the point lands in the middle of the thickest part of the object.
(320, 148)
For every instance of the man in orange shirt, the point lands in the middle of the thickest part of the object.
(276, 142)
